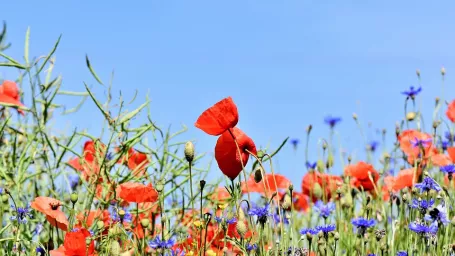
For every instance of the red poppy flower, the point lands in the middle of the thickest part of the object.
(87, 218)
(272, 184)
(9, 94)
(50, 207)
(219, 118)
(89, 164)
(414, 152)
(227, 154)
(137, 192)
(317, 185)
(220, 195)
(360, 174)
(450, 113)
(75, 244)
(406, 178)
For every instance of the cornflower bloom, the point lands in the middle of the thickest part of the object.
(261, 213)
(422, 205)
(449, 169)
(411, 93)
(422, 229)
(363, 224)
(438, 215)
(324, 209)
(427, 185)
(21, 214)
(157, 243)
(332, 121)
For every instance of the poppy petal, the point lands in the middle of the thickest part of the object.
(218, 118)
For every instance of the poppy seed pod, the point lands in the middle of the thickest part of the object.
(354, 116)
(330, 161)
(100, 224)
(317, 191)
(286, 204)
(189, 151)
(74, 197)
(320, 165)
(145, 223)
(309, 128)
(241, 228)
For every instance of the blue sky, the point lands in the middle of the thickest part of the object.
(287, 64)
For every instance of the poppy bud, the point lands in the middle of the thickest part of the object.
(159, 186)
(145, 223)
(320, 165)
(291, 187)
(115, 248)
(354, 115)
(241, 228)
(100, 224)
(436, 101)
(329, 163)
(410, 116)
(443, 71)
(260, 154)
(309, 128)
(74, 197)
(241, 214)
(189, 151)
(336, 236)
(324, 145)
(426, 174)
(286, 204)
(418, 72)
(349, 159)
(317, 190)
(202, 184)
(309, 236)
(258, 175)
(115, 230)
(4, 198)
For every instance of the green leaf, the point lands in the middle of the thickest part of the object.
(92, 71)
(49, 55)
(27, 45)
(11, 64)
(134, 112)
(9, 58)
(273, 154)
(98, 104)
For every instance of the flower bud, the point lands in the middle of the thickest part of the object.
(336, 236)
(418, 72)
(159, 186)
(74, 197)
(145, 223)
(330, 161)
(410, 116)
(443, 71)
(115, 248)
(354, 116)
(189, 151)
(317, 190)
(260, 154)
(320, 165)
(258, 175)
(309, 128)
(286, 204)
(100, 224)
(202, 184)
(241, 228)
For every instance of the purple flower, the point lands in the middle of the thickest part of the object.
(363, 224)
(373, 145)
(261, 213)
(116, 217)
(228, 221)
(324, 209)
(21, 214)
(449, 136)
(427, 185)
(421, 143)
(40, 251)
(332, 121)
(421, 228)
(411, 93)
(276, 218)
(402, 253)
(445, 144)
(309, 230)
(310, 166)
(157, 243)
(438, 214)
(449, 169)
(251, 247)
(295, 142)
(326, 229)
(422, 205)
(38, 229)
(177, 252)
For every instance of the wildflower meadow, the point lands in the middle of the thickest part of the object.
(136, 189)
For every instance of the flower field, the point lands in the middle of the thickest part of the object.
(138, 190)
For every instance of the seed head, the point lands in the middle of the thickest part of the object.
(189, 151)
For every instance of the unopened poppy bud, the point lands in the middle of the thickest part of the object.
(405, 197)
(320, 165)
(115, 248)
(121, 213)
(324, 145)
(100, 224)
(189, 151)
(4, 198)
(202, 184)
(354, 115)
(291, 187)
(286, 204)
(426, 174)
(145, 223)
(309, 236)
(330, 161)
(317, 190)
(241, 228)
(443, 71)
(418, 72)
(349, 159)
(159, 186)
(336, 236)
(309, 128)
(258, 175)
(436, 101)
(260, 154)
(88, 240)
(410, 116)
(74, 197)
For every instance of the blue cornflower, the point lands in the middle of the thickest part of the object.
(157, 243)
(326, 229)
(109, 156)
(420, 142)
(251, 247)
(324, 209)
(38, 229)
(422, 205)
(276, 218)
(311, 166)
(411, 93)
(449, 136)
(427, 185)
(312, 231)
(371, 254)
(423, 229)
(1, 190)
(438, 214)
(40, 251)
(295, 142)
(363, 224)
(22, 214)
(332, 121)
(74, 181)
(373, 145)
(449, 169)
(402, 253)
(391, 172)
(228, 221)
(261, 213)
(445, 144)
